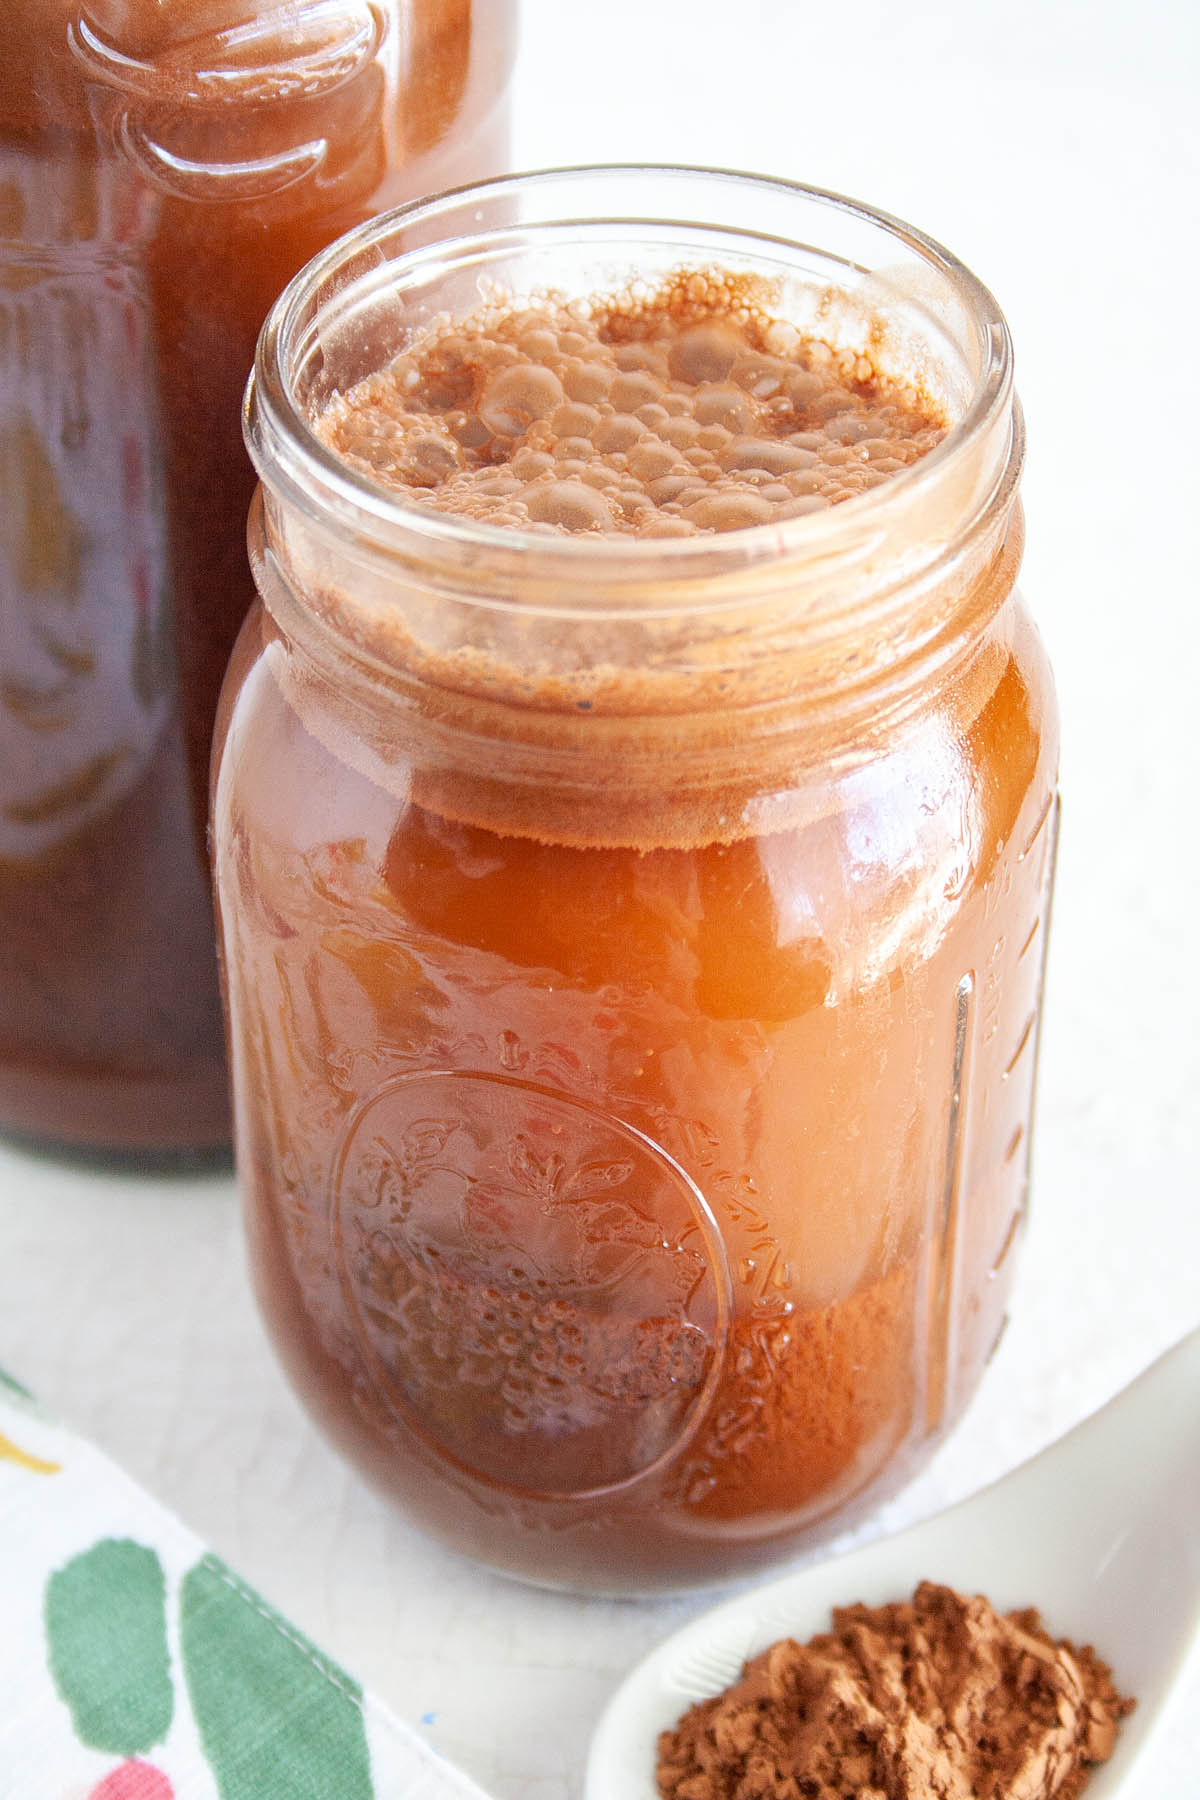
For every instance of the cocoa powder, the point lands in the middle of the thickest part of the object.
(937, 1698)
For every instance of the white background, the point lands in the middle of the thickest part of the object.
(1055, 146)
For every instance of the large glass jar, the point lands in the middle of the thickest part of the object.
(165, 166)
(634, 948)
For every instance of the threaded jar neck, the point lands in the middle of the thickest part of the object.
(826, 620)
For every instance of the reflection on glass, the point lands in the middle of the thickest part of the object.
(164, 169)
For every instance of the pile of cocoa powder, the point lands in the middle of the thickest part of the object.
(936, 1698)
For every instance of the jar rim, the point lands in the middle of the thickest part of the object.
(291, 458)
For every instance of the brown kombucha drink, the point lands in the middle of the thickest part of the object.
(633, 826)
(164, 169)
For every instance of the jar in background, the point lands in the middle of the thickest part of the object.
(163, 171)
(634, 946)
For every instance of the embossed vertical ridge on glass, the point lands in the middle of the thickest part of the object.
(633, 1078)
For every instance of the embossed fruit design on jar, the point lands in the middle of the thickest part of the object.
(165, 167)
(633, 825)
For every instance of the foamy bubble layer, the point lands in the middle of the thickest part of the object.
(687, 413)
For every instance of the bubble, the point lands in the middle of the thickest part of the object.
(432, 457)
(724, 405)
(714, 438)
(761, 376)
(618, 432)
(668, 488)
(705, 352)
(468, 428)
(638, 388)
(802, 387)
(574, 448)
(667, 413)
(650, 460)
(490, 352)
(588, 381)
(828, 405)
(527, 464)
(569, 504)
(574, 419)
(634, 507)
(642, 356)
(498, 485)
(681, 432)
(517, 395)
(847, 428)
(766, 453)
(540, 345)
(729, 511)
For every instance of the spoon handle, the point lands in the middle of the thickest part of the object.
(1119, 1496)
(1100, 1532)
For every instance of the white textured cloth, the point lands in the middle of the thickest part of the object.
(135, 1665)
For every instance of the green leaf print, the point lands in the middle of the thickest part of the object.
(277, 1719)
(106, 1632)
(11, 1387)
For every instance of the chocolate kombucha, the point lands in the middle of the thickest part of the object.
(163, 171)
(634, 1056)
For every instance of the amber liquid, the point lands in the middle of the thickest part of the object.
(145, 228)
(631, 1212)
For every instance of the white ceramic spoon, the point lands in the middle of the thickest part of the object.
(1101, 1532)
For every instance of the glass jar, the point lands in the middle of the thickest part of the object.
(164, 169)
(634, 947)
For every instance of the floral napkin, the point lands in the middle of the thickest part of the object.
(134, 1665)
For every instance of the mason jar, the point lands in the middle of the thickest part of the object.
(634, 945)
(164, 169)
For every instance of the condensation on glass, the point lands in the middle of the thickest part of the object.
(164, 169)
(633, 1077)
